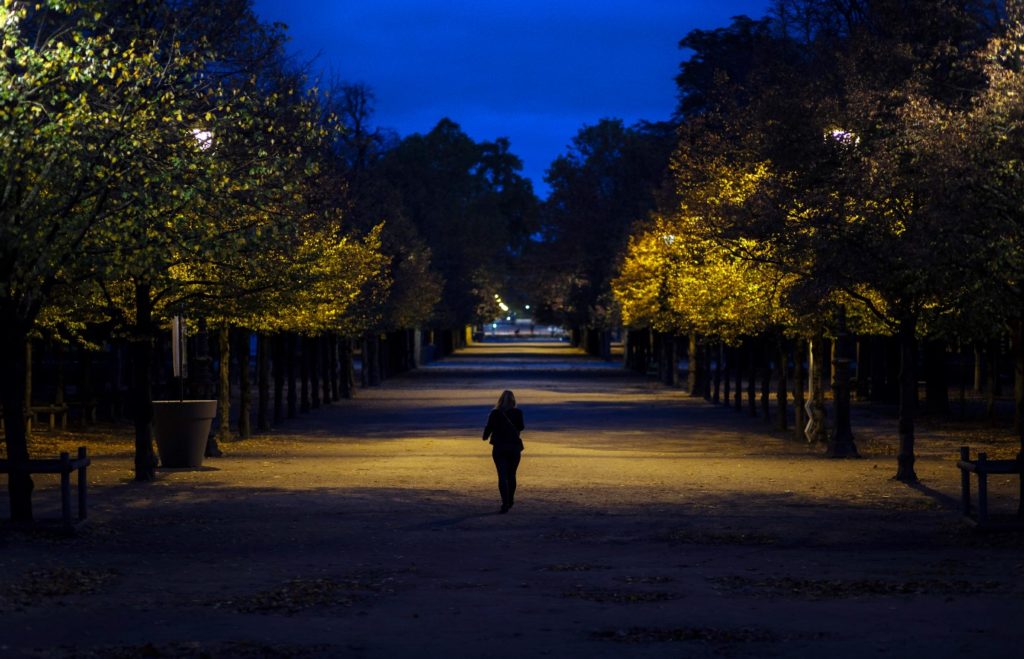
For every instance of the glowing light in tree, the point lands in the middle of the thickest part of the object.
(203, 137)
(844, 137)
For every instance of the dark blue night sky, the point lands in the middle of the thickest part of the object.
(534, 71)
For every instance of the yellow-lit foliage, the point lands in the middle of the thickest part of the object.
(675, 278)
(329, 277)
(687, 273)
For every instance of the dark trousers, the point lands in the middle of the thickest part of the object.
(507, 462)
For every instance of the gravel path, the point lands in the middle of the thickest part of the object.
(647, 524)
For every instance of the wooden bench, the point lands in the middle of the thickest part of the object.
(983, 467)
(55, 413)
(63, 465)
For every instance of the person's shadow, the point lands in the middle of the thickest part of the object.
(450, 521)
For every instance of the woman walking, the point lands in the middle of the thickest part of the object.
(504, 424)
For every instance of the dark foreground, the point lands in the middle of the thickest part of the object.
(647, 524)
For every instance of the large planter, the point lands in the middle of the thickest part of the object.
(181, 429)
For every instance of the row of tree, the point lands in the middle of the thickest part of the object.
(835, 159)
(164, 158)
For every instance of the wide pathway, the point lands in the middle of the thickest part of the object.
(647, 524)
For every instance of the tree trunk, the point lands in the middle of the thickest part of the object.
(992, 384)
(841, 442)
(672, 357)
(303, 374)
(799, 412)
(370, 374)
(738, 365)
(142, 390)
(1018, 385)
(863, 379)
(781, 395)
(817, 428)
(223, 387)
(766, 389)
(908, 401)
(280, 373)
(661, 348)
(244, 385)
(200, 379)
(27, 403)
(962, 377)
(291, 356)
(58, 397)
(85, 388)
(312, 345)
(347, 379)
(1018, 403)
(13, 337)
(693, 367)
(706, 371)
(978, 379)
(643, 347)
(716, 395)
(335, 368)
(727, 359)
(325, 368)
(263, 382)
(752, 378)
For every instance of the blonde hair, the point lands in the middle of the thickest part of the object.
(506, 401)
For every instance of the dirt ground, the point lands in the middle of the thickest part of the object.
(647, 524)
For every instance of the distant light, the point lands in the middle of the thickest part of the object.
(497, 297)
(203, 137)
(494, 325)
(527, 307)
(508, 317)
(503, 306)
(669, 238)
(844, 137)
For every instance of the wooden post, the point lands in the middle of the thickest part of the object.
(65, 488)
(83, 482)
(982, 489)
(965, 481)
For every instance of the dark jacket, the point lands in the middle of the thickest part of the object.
(503, 428)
